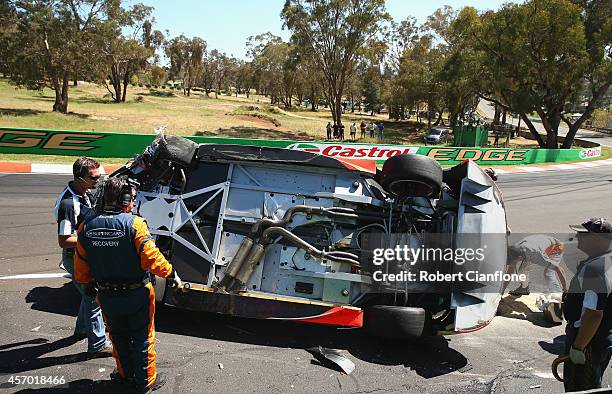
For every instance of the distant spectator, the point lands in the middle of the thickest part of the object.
(362, 126)
(372, 128)
(353, 131)
(329, 130)
(341, 131)
(381, 127)
(335, 127)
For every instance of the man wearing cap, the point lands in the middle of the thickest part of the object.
(537, 249)
(587, 307)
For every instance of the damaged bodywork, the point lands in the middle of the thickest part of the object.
(280, 234)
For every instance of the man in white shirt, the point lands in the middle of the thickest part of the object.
(587, 307)
(72, 205)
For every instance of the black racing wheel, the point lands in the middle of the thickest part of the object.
(411, 175)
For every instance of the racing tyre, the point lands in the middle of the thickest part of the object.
(397, 322)
(411, 176)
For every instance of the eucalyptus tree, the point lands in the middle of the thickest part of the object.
(334, 31)
(541, 56)
(49, 42)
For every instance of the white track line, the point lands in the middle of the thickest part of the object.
(52, 168)
(587, 164)
(532, 169)
(563, 166)
(37, 276)
(56, 169)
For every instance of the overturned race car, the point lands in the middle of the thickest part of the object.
(272, 233)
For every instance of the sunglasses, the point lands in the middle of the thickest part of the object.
(94, 178)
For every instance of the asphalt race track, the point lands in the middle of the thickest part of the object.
(214, 353)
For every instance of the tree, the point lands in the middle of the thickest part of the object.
(276, 63)
(186, 60)
(210, 64)
(242, 77)
(415, 75)
(597, 19)
(314, 78)
(456, 67)
(307, 77)
(333, 31)
(542, 66)
(371, 91)
(51, 42)
(8, 31)
(126, 42)
(220, 71)
(402, 37)
(232, 65)
(158, 75)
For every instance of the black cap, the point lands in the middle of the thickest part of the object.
(593, 225)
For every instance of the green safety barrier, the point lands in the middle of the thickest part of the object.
(102, 144)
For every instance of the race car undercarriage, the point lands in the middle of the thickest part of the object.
(274, 233)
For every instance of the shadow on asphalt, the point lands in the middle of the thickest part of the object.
(557, 347)
(27, 358)
(63, 301)
(30, 342)
(22, 358)
(428, 357)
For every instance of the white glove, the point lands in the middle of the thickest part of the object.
(175, 280)
(577, 356)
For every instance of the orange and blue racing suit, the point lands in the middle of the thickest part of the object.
(116, 250)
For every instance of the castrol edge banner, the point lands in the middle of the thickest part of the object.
(104, 144)
(355, 151)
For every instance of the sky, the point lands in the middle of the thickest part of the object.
(226, 24)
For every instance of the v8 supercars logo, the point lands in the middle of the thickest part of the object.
(354, 151)
(104, 233)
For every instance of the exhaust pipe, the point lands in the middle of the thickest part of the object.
(247, 257)
(248, 267)
(235, 264)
